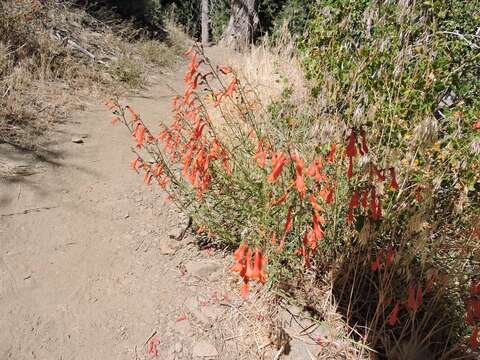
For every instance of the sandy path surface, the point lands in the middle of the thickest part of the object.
(88, 269)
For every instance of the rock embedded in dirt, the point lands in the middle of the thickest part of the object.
(77, 140)
(203, 349)
(201, 269)
(168, 247)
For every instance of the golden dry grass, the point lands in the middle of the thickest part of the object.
(44, 77)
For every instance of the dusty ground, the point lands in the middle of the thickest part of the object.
(89, 268)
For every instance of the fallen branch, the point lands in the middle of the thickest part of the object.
(69, 42)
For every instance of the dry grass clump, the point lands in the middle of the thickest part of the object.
(271, 69)
(177, 37)
(157, 53)
(55, 56)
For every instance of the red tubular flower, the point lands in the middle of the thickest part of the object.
(311, 169)
(259, 146)
(324, 193)
(260, 154)
(330, 157)
(313, 201)
(257, 263)
(239, 256)
(261, 159)
(279, 200)
(311, 241)
(392, 318)
(152, 346)
(163, 182)
(148, 178)
(364, 141)
(186, 96)
(474, 339)
(136, 163)
(351, 150)
(412, 299)
(330, 195)
(475, 288)
(353, 205)
(350, 216)
(115, 120)
(350, 167)
(249, 267)
(393, 182)
(231, 88)
(299, 182)
(315, 169)
(288, 222)
(364, 198)
(198, 129)
(476, 126)
(377, 264)
(277, 167)
(317, 230)
(354, 200)
(193, 61)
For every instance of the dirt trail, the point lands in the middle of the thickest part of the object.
(82, 275)
(89, 268)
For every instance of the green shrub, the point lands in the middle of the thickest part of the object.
(408, 72)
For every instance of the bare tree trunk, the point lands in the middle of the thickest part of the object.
(205, 22)
(242, 25)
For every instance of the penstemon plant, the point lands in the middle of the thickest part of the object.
(292, 206)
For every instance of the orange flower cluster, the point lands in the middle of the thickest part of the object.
(319, 187)
(185, 138)
(247, 270)
(376, 175)
(378, 263)
(413, 302)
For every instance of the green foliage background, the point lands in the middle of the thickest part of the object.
(407, 68)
